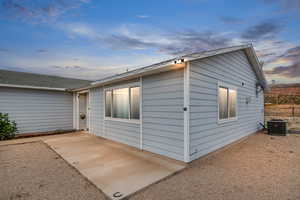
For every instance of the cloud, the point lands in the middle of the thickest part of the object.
(38, 10)
(232, 20)
(79, 29)
(172, 43)
(264, 30)
(4, 50)
(142, 16)
(292, 54)
(125, 42)
(73, 67)
(41, 50)
(262, 54)
(291, 71)
(291, 57)
(132, 37)
(285, 5)
(85, 65)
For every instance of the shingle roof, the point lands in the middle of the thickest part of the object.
(39, 80)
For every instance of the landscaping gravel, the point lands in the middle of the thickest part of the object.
(33, 171)
(261, 167)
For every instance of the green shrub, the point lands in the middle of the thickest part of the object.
(8, 128)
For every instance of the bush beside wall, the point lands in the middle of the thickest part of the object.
(8, 128)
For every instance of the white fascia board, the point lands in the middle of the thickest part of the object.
(207, 54)
(250, 52)
(134, 74)
(32, 87)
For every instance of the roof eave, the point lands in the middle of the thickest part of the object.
(32, 87)
(153, 69)
(131, 75)
(250, 52)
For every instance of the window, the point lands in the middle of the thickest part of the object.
(223, 103)
(108, 103)
(123, 103)
(232, 103)
(227, 103)
(135, 103)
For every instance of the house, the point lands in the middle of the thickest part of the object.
(181, 108)
(38, 103)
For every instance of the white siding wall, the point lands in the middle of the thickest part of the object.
(124, 132)
(38, 110)
(96, 111)
(163, 114)
(206, 135)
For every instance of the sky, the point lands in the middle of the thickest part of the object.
(92, 39)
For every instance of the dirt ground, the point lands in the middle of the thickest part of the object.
(33, 171)
(260, 167)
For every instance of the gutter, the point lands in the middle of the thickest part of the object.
(32, 87)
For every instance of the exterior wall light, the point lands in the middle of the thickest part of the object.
(179, 61)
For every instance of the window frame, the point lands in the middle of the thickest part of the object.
(111, 118)
(228, 87)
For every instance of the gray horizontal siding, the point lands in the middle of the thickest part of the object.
(96, 111)
(163, 115)
(206, 135)
(37, 110)
(123, 132)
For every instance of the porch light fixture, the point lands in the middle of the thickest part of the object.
(179, 61)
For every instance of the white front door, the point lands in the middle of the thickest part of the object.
(83, 111)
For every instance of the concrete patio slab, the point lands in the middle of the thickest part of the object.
(116, 169)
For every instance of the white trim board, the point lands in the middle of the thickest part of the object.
(88, 110)
(88, 124)
(74, 111)
(186, 112)
(32, 87)
(228, 86)
(141, 113)
(120, 86)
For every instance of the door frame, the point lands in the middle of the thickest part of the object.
(76, 109)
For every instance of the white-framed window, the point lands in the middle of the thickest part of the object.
(122, 103)
(227, 102)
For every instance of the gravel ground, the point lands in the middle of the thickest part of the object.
(33, 171)
(261, 167)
